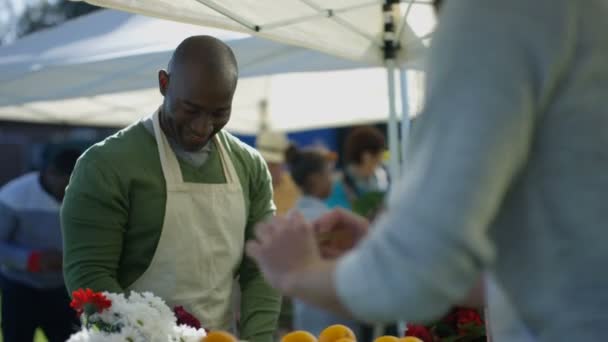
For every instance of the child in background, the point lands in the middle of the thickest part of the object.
(311, 170)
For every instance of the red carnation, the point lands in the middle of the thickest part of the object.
(186, 318)
(89, 301)
(467, 320)
(468, 316)
(419, 331)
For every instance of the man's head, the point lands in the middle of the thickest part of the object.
(57, 169)
(272, 147)
(198, 87)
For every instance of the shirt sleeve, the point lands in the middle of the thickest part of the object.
(93, 217)
(473, 138)
(11, 255)
(260, 303)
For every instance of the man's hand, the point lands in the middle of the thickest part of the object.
(339, 231)
(284, 247)
(51, 261)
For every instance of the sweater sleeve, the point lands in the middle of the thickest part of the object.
(472, 139)
(93, 218)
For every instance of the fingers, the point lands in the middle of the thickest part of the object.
(327, 222)
(331, 252)
(265, 232)
(299, 224)
(253, 249)
(338, 217)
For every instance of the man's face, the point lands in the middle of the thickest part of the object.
(196, 106)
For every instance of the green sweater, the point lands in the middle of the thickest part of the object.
(114, 207)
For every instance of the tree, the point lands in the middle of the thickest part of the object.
(39, 15)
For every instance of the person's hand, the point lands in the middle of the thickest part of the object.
(51, 261)
(339, 231)
(284, 247)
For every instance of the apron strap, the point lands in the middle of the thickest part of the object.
(227, 164)
(168, 160)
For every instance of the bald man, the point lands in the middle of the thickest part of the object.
(166, 204)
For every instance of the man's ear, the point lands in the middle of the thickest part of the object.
(163, 81)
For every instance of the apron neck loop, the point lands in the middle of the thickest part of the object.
(170, 165)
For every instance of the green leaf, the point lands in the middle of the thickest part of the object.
(368, 203)
(90, 309)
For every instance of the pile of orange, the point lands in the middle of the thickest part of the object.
(336, 333)
(333, 333)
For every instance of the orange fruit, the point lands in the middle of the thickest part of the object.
(219, 336)
(345, 339)
(410, 339)
(335, 332)
(386, 339)
(299, 336)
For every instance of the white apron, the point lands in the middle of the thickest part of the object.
(201, 243)
(504, 323)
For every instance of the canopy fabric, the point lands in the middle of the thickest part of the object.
(112, 51)
(351, 29)
(101, 70)
(294, 102)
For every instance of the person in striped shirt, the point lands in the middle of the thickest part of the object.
(33, 290)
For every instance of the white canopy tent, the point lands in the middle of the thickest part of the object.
(352, 29)
(100, 70)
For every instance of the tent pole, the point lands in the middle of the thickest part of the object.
(393, 131)
(390, 47)
(390, 11)
(405, 117)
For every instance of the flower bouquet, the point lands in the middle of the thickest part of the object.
(140, 317)
(459, 325)
(339, 333)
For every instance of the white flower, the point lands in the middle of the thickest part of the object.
(155, 302)
(184, 333)
(81, 336)
(99, 336)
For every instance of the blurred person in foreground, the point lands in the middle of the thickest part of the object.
(507, 176)
(33, 289)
